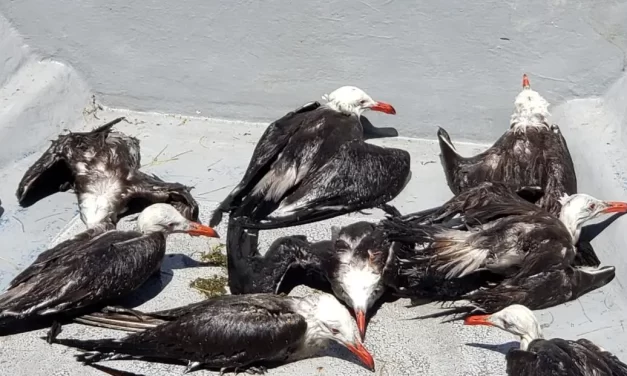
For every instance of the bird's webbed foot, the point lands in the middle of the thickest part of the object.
(132, 312)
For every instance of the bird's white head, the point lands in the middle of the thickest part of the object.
(329, 320)
(579, 208)
(353, 100)
(516, 319)
(530, 109)
(164, 217)
(359, 283)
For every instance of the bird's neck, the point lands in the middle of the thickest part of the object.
(533, 334)
(313, 341)
(344, 108)
(572, 223)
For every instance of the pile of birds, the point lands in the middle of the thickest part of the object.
(508, 242)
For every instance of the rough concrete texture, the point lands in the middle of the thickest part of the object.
(212, 155)
(442, 62)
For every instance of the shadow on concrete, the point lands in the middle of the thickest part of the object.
(503, 348)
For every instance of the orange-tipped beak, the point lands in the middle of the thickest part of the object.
(196, 229)
(478, 320)
(383, 107)
(361, 323)
(615, 207)
(525, 82)
(363, 354)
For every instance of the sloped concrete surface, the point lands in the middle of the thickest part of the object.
(39, 98)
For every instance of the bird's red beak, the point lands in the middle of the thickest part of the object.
(615, 207)
(361, 323)
(363, 354)
(383, 107)
(478, 320)
(196, 229)
(526, 82)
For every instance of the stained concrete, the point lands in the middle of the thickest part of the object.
(40, 97)
(440, 62)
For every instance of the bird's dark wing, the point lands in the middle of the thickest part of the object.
(234, 331)
(479, 201)
(269, 146)
(617, 367)
(359, 176)
(124, 259)
(51, 173)
(522, 363)
(145, 190)
(67, 247)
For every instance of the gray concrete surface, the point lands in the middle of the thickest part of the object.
(39, 97)
(440, 62)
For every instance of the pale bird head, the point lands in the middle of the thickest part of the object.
(164, 217)
(530, 108)
(336, 324)
(516, 319)
(353, 100)
(579, 208)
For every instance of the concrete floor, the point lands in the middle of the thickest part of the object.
(212, 156)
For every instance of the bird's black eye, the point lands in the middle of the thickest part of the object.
(592, 206)
(363, 101)
(334, 331)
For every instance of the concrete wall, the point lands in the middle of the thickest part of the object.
(452, 63)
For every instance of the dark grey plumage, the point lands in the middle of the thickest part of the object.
(539, 269)
(530, 153)
(102, 167)
(310, 165)
(231, 332)
(86, 272)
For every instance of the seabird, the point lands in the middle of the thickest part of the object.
(538, 356)
(530, 153)
(231, 332)
(102, 167)
(313, 164)
(94, 268)
(356, 265)
(504, 236)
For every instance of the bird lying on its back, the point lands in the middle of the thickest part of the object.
(102, 167)
(313, 164)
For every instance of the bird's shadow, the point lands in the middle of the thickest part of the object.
(589, 232)
(159, 281)
(370, 131)
(503, 348)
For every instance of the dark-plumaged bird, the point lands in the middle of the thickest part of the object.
(314, 164)
(94, 268)
(538, 356)
(530, 153)
(489, 246)
(356, 265)
(231, 332)
(102, 167)
(507, 237)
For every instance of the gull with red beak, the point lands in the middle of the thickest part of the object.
(543, 357)
(240, 333)
(531, 152)
(314, 164)
(94, 268)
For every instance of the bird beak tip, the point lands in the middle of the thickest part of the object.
(196, 229)
(361, 323)
(477, 320)
(616, 207)
(383, 107)
(525, 82)
(362, 353)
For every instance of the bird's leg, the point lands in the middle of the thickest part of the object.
(390, 210)
(192, 366)
(132, 312)
(54, 332)
(259, 370)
